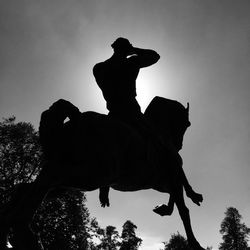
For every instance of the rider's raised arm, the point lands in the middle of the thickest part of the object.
(144, 57)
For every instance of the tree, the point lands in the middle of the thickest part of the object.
(63, 221)
(63, 218)
(234, 232)
(20, 155)
(109, 238)
(176, 242)
(129, 239)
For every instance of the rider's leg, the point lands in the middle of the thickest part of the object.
(184, 213)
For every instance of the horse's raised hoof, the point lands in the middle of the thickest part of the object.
(163, 210)
(195, 197)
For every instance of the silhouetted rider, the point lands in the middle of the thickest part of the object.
(117, 77)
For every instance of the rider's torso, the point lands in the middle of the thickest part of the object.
(117, 80)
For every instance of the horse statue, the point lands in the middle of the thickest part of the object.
(93, 151)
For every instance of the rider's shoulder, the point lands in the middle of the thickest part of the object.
(99, 66)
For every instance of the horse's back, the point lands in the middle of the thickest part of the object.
(102, 148)
(98, 150)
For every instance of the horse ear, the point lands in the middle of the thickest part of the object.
(187, 108)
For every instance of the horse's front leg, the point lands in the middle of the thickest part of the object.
(184, 214)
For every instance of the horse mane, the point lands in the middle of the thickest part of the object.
(170, 118)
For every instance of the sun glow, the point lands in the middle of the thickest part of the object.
(146, 88)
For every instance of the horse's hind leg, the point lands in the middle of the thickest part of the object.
(23, 238)
(6, 210)
(21, 216)
(3, 236)
(184, 214)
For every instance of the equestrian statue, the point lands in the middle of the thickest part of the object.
(126, 150)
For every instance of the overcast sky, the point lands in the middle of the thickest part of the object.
(49, 47)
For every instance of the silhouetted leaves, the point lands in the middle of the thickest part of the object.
(20, 154)
(234, 232)
(109, 238)
(176, 242)
(63, 220)
(129, 239)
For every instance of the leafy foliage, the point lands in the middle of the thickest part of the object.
(176, 242)
(63, 221)
(20, 155)
(129, 239)
(234, 232)
(109, 238)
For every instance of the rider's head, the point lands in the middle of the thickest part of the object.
(122, 46)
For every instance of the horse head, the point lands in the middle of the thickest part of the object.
(170, 118)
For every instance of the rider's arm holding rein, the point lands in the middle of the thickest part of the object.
(144, 57)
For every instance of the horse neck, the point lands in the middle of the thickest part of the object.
(168, 134)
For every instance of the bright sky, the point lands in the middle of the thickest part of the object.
(48, 49)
